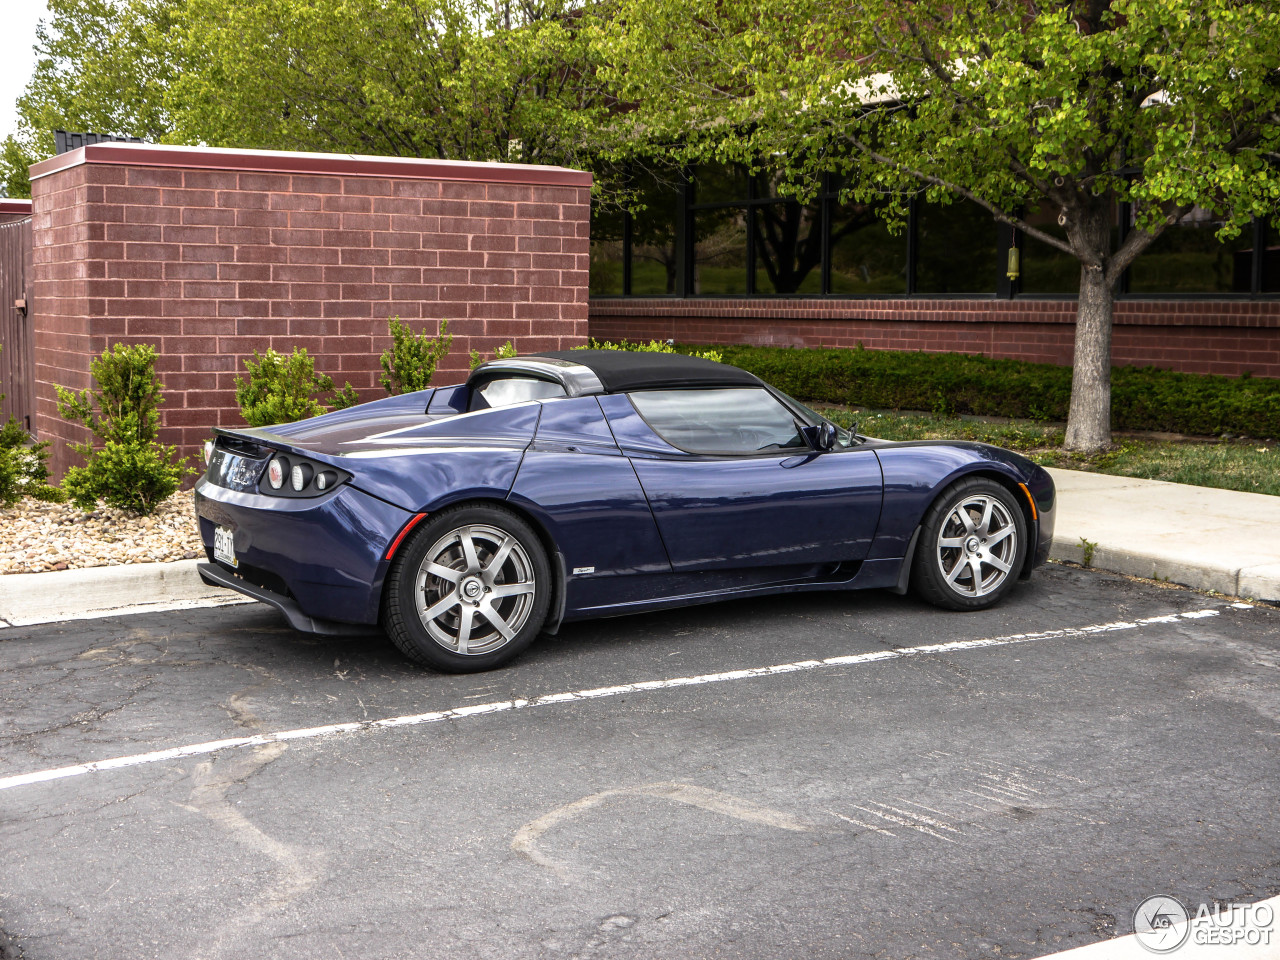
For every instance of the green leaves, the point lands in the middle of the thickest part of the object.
(130, 470)
(454, 79)
(413, 357)
(126, 400)
(283, 389)
(1168, 102)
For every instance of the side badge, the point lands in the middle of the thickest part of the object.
(580, 570)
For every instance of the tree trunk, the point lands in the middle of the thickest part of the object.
(1089, 420)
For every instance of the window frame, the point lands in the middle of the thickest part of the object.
(798, 414)
(686, 206)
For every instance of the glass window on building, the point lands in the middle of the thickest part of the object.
(956, 249)
(1045, 268)
(1271, 260)
(720, 183)
(866, 259)
(720, 251)
(788, 248)
(606, 250)
(1189, 258)
(654, 257)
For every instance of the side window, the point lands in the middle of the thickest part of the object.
(508, 390)
(735, 420)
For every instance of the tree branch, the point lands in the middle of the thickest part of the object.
(995, 211)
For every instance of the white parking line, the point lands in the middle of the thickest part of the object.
(643, 686)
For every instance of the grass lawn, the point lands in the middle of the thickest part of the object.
(1252, 466)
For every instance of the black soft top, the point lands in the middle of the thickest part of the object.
(623, 370)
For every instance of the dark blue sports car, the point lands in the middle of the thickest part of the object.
(589, 483)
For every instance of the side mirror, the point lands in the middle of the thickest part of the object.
(822, 437)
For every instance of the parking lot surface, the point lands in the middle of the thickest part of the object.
(900, 782)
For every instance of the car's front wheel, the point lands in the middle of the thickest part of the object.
(469, 591)
(971, 547)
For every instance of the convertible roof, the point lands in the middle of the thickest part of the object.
(622, 370)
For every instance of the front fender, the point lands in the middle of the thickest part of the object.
(916, 472)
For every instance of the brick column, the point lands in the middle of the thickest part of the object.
(212, 254)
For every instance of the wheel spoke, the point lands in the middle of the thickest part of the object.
(510, 590)
(962, 514)
(496, 621)
(466, 614)
(443, 572)
(976, 566)
(999, 564)
(957, 542)
(999, 535)
(499, 557)
(469, 550)
(955, 571)
(441, 606)
(985, 525)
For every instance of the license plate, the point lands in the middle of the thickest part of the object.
(224, 546)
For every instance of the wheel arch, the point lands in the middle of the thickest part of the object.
(986, 470)
(554, 558)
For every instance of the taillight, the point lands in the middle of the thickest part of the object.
(276, 470)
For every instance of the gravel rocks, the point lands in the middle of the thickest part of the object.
(36, 537)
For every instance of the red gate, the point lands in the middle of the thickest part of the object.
(17, 359)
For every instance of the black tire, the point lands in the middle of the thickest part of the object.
(956, 549)
(469, 629)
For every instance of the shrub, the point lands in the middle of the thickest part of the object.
(413, 357)
(1141, 398)
(654, 346)
(504, 352)
(131, 470)
(132, 476)
(23, 469)
(282, 389)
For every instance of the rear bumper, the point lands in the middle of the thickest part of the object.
(320, 559)
(218, 576)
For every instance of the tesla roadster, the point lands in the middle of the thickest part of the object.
(587, 483)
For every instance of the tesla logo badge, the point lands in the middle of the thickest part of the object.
(578, 570)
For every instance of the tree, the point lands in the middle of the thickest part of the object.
(1068, 105)
(452, 79)
(100, 65)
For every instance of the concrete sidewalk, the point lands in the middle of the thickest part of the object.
(1203, 538)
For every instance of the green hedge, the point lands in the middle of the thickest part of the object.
(952, 383)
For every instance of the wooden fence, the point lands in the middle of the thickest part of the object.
(17, 361)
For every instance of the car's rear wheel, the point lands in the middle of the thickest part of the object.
(971, 547)
(469, 591)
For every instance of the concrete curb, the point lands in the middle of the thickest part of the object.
(31, 598)
(1204, 538)
(1258, 583)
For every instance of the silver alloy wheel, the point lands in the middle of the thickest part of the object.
(475, 589)
(977, 546)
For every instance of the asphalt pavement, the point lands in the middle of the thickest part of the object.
(840, 775)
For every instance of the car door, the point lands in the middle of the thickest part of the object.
(733, 484)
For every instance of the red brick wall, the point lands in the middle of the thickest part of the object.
(160, 245)
(1226, 337)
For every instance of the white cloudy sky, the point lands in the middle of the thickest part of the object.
(18, 18)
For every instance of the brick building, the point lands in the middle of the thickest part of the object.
(718, 255)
